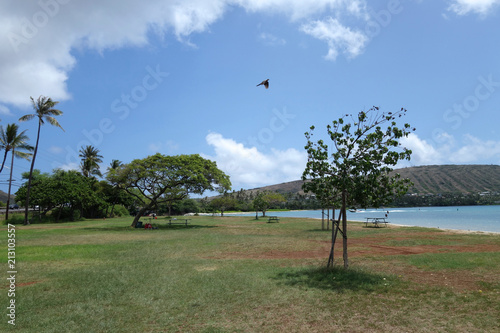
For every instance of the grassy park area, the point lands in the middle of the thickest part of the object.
(238, 274)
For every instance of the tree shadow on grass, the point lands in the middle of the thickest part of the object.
(182, 226)
(335, 279)
(157, 228)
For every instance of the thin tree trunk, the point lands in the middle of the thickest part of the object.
(344, 228)
(4, 158)
(328, 219)
(10, 185)
(59, 213)
(26, 221)
(322, 219)
(335, 229)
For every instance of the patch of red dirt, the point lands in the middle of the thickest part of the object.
(360, 247)
(24, 284)
(371, 246)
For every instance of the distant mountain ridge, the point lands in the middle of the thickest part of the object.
(3, 197)
(430, 179)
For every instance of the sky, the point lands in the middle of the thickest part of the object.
(134, 78)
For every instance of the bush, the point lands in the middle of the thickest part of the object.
(120, 211)
(14, 219)
(65, 214)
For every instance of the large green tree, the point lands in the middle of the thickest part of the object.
(44, 111)
(65, 190)
(223, 202)
(264, 200)
(157, 175)
(358, 164)
(11, 140)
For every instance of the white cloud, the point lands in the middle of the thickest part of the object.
(38, 38)
(4, 110)
(470, 150)
(476, 150)
(300, 9)
(248, 167)
(423, 153)
(482, 7)
(69, 166)
(338, 37)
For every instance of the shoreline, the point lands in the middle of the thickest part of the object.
(461, 231)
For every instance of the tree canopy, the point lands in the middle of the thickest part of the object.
(223, 203)
(68, 189)
(356, 172)
(160, 179)
(266, 199)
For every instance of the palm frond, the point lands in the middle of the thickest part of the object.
(53, 121)
(22, 154)
(27, 117)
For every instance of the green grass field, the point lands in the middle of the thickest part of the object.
(236, 274)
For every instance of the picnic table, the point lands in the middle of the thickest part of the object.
(178, 221)
(273, 219)
(376, 221)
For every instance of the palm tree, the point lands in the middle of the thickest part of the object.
(10, 140)
(115, 164)
(44, 110)
(90, 161)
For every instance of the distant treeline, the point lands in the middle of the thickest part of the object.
(295, 201)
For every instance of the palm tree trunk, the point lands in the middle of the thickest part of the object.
(26, 221)
(10, 185)
(4, 158)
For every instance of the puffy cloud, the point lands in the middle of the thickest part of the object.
(477, 150)
(469, 151)
(4, 110)
(423, 153)
(337, 36)
(38, 37)
(248, 167)
(299, 9)
(482, 7)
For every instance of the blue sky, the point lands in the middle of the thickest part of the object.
(134, 78)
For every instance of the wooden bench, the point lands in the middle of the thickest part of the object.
(174, 221)
(273, 219)
(376, 221)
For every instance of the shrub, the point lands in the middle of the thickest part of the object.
(120, 211)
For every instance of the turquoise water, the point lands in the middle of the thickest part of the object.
(473, 218)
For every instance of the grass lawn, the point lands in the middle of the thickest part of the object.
(236, 274)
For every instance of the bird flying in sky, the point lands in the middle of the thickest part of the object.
(265, 83)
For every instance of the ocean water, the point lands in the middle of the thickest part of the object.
(471, 218)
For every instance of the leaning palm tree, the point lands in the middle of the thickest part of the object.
(10, 140)
(44, 110)
(90, 161)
